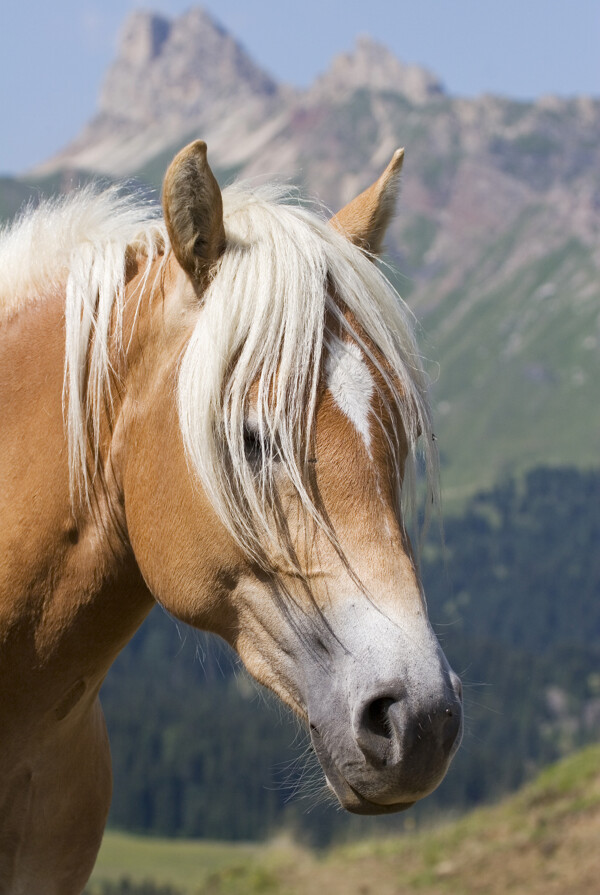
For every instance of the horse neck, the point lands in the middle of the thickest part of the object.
(71, 594)
(102, 597)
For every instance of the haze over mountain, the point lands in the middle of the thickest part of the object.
(497, 235)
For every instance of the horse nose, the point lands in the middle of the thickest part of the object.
(390, 732)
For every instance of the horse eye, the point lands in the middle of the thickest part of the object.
(252, 444)
(256, 447)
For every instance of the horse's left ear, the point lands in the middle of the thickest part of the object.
(193, 210)
(365, 219)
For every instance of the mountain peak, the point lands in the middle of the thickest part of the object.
(371, 64)
(167, 69)
(142, 37)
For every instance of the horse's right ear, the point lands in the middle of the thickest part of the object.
(193, 210)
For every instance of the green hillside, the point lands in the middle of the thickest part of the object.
(518, 346)
(542, 841)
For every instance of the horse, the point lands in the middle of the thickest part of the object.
(218, 410)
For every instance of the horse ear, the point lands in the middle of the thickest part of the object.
(193, 210)
(365, 219)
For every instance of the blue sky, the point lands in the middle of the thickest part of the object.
(53, 55)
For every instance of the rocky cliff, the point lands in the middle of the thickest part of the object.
(171, 78)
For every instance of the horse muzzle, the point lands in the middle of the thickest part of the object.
(383, 753)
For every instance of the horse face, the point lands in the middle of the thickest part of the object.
(348, 644)
(341, 633)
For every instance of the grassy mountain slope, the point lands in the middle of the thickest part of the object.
(519, 355)
(542, 841)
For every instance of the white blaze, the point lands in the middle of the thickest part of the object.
(351, 385)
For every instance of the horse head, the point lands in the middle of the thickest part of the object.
(269, 448)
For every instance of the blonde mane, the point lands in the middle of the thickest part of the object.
(77, 244)
(263, 326)
(262, 323)
(40, 248)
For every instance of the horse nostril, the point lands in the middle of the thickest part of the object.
(376, 717)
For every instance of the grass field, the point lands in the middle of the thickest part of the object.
(542, 841)
(180, 863)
